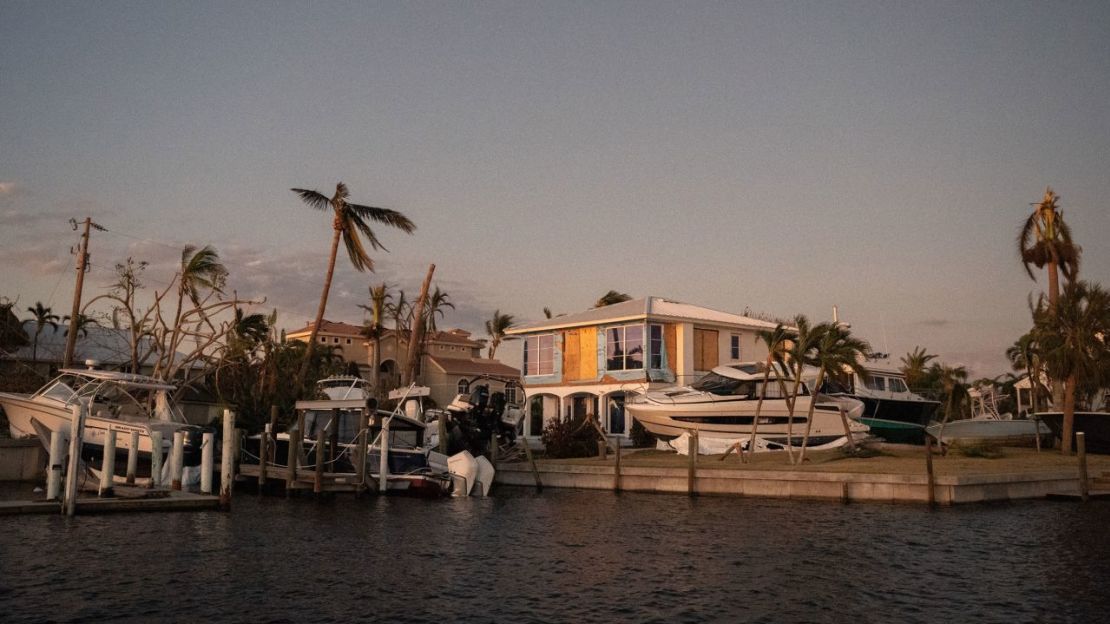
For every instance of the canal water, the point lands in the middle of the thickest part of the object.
(562, 556)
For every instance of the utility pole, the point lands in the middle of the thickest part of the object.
(82, 264)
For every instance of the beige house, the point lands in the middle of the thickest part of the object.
(589, 362)
(451, 359)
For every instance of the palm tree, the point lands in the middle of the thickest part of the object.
(612, 297)
(1073, 337)
(83, 323)
(496, 328)
(1024, 355)
(914, 366)
(954, 381)
(349, 223)
(437, 302)
(247, 331)
(380, 299)
(200, 269)
(777, 341)
(834, 350)
(43, 316)
(799, 353)
(400, 311)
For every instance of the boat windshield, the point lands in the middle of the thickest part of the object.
(725, 386)
(62, 388)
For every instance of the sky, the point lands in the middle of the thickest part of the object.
(780, 157)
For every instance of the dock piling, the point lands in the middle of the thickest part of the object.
(532, 461)
(206, 457)
(263, 455)
(226, 457)
(177, 459)
(617, 468)
(54, 475)
(132, 457)
(932, 495)
(364, 446)
(155, 459)
(1081, 451)
(296, 439)
(318, 481)
(107, 464)
(76, 432)
(692, 449)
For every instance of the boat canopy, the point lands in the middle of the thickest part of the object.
(127, 380)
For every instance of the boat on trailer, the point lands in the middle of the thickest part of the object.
(722, 404)
(988, 426)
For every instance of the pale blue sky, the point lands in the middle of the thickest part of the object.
(784, 156)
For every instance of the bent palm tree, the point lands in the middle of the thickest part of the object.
(349, 223)
(777, 341)
(834, 350)
(379, 303)
(43, 316)
(799, 353)
(496, 328)
(914, 365)
(200, 269)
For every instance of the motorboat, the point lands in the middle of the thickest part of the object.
(117, 402)
(1094, 425)
(722, 404)
(891, 410)
(987, 425)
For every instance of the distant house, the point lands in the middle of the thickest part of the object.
(451, 359)
(590, 362)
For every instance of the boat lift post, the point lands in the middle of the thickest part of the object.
(54, 474)
(155, 459)
(76, 431)
(108, 464)
(177, 459)
(132, 457)
(206, 456)
(226, 459)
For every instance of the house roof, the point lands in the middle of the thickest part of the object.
(329, 327)
(473, 366)
(450, 336)
(654, 308)
(109, 346)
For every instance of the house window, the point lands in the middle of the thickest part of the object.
(323, 339)
(348, 341)
(624, 347)
(464, 386)
(539, 355)
(734, 346)
(335, 340)
(655, 346)
(510, 392)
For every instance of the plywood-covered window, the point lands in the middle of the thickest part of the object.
(706, 355)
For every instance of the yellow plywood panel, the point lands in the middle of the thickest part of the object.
(570, 355)
(587, 349)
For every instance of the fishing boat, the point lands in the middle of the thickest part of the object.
(117, 402)
(1094, 425)
(890, 409)
(722, 404)
(987, 425)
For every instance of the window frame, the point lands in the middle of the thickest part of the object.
(538, 351)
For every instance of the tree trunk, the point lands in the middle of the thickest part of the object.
(809, 417)
(319, 311)
(1056, 385)
(375, 374)
(790, 417)
(758, 409)
(1069, 414)
(412, 362)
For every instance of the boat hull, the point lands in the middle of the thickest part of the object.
(998, 432)
(896, 420)
(1094, 425)
(667, 422)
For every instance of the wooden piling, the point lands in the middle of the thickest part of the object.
(532, 461)
(1081, 451)
(318, 478)
(691, 478)
(1037, 429)
(155, 459)
(263, 456)
(76, 432)
(602, 447)
(177, 460)
(227, 456)
(206, 456)
(54, 470)
(108, 464)
(132, 457)
(617, 468)
(383, 457)
(932, 496)
(296, 440)
(442, 427)
(493, 450)
(364, 446)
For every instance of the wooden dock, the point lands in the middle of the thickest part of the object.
(126, 499)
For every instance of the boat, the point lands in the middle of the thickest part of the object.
(987, 425)
(890, 409)
(1094, 425)
(117, 402)
(722, 404)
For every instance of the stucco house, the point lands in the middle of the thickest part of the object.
(347, 338)
(589, 362)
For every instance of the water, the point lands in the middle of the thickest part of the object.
(562, 556)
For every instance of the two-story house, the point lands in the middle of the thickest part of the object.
(589, 362)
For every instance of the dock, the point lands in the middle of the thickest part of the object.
(126, 499)
(897, 475)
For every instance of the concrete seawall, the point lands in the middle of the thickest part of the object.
(842, 486)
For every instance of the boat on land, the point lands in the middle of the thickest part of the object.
(722, 404)
(117, 402)
(1094, 425)
(891, 410)
(988, 426)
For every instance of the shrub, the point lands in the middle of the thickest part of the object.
(570, 437)
(640, 437)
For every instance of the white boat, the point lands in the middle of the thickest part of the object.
(118, 402)
(988, 426)
(722, 404)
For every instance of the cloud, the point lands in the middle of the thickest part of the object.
(935, 323)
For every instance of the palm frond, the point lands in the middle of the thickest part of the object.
(313, 199)
(384, 215)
